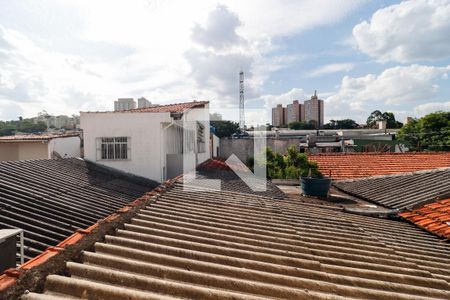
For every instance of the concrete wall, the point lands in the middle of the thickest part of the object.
(34, 150)
(201, 115)
(243, 148)
(23, 150)
(8, 151)
(174, 165)
(65, 146)
(144, 131)
(149, 144)
(215, 145)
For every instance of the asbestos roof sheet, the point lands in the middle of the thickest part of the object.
(400, 191)
(434, 217)
(50, 199)
(234, 245)
(357, 165)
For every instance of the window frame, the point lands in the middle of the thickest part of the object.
(115, 144)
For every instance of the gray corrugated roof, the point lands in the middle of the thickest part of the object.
(400, 191)
(50, 199)
(232, 245)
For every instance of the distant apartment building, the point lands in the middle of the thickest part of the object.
(143, 103)
(124, 104)
(278, 115)
(295, 112)
(58, 122)
(314, 110)
(283, 116)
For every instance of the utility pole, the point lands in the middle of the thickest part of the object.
(241, 102)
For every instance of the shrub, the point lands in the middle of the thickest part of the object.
(292, 165)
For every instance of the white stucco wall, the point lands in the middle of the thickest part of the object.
(215, 144)
(65, 146)
(201, 115)
(145, 140)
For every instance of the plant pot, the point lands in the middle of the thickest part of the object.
(317, 187)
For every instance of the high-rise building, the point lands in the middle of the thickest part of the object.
(124, 104)
(314, 110)
(142, 103)
(295, 112)
(278, 118)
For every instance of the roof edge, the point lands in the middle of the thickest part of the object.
(12, 283)
(434, 170)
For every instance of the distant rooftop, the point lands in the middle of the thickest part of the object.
(171, 108)
(36, 137)
(359, 165)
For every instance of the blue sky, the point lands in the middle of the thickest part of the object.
(67, 56)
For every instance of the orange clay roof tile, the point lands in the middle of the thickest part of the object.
(357, 165)
(433, 217)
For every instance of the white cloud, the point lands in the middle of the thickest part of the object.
(96, 51)
(284, 99)
(410, 85)
(410, 31)
(331, 68)
(427, 108)
(219, 32)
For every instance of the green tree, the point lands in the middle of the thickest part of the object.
(390, 120)
(431, 132)
(301, 125)
(291, 165)
(341, 124)
(224, 128)
(375, 116)
(389, 117)
(28, 126)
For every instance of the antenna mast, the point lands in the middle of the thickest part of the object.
(241, 101)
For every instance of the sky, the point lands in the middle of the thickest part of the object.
(66, 56)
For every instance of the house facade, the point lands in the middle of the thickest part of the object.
(39, 146)
(149, 142)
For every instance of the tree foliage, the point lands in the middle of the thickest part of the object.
(21, 125)
(341, 124)
(291, 165)
(389, 117)
(224, 128)
(302, 125)
(431, 132)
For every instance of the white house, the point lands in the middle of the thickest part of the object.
(39, 146)
(148, 141)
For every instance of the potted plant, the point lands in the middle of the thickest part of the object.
(292, 166)
(315, 184)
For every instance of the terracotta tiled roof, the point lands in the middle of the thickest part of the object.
(36, 137)
(434, 217)
(214, 164)
(172, 108)
(357, 165)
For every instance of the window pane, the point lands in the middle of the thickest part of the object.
(104, 152)
(114, 148)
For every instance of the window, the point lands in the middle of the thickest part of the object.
(201, 137)
(113, 148)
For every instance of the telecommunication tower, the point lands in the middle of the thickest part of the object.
(241, 101)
